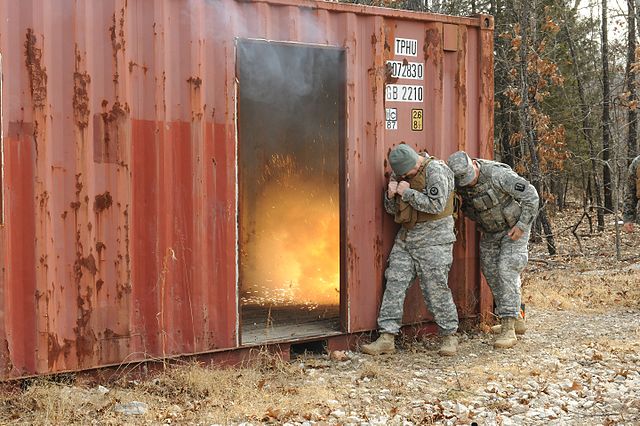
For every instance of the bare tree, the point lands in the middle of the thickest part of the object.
(587, 130)
(630, 77)
(526, 125)
(504, 122)
(606, 96)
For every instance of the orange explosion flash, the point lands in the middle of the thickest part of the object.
(296, 244)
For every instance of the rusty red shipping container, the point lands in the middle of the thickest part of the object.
(123, 144)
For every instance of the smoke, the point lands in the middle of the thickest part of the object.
(271, 70)
(232, 19)
(217, 20)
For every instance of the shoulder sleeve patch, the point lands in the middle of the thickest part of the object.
(520, 187)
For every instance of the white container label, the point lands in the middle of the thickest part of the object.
(404, 93)
(410, 70)
(406, 47)
(391, 119)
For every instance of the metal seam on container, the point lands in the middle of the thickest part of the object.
(237, 210)
(375, 10)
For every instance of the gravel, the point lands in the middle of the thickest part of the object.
(570, 368)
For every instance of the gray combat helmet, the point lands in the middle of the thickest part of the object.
(462, 168)
(402, 159)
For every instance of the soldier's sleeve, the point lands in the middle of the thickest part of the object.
(629, 213)
(523, 192)
(390, 204)
(433, 199)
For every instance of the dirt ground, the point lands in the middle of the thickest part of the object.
(578, 363)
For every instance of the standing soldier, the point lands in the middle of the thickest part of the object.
(504, 206)
(420, 196)
(632, 196)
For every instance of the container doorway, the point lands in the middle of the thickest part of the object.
(291, 132)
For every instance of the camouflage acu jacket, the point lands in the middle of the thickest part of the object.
(631, 196)
(500, 199)
(432, 199)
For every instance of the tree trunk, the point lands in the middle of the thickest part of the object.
(632, 114)
(637, 19)
(606, 120)
(566, 190)
(503, 121)
(586, 189)
(527, 129)
(587, 132)
(536, 233)
(558, 185)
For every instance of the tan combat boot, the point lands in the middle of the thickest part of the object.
(449, 346)
(384, 345)
(520, 326)
(507, 337)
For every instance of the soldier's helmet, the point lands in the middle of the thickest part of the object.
(462, 168)
(402, 159)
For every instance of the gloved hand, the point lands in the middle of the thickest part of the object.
(402, 186)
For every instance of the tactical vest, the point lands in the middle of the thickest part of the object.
(407, 215)
(496, 209)
(638, 182)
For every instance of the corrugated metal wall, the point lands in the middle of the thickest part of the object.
(119, 139)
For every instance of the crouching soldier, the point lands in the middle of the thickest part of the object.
(420, 196)
(630, 212)
(504, 205)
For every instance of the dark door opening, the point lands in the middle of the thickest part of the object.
(291, 131)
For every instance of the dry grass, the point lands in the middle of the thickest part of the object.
(582, 291)
(48, 403)
(587, 276)
(269, 390)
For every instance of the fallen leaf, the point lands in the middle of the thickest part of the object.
(485, 328)
(339, 356)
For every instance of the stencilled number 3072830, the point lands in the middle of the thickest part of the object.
(410, 70)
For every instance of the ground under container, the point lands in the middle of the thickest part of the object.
(206, 176)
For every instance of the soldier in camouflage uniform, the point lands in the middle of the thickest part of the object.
(420, 196)
(504, 205)
(630, 214)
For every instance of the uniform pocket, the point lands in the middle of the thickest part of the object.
(479, 204)
(517, 253)
(512, 212)
(516, 261)
(495, 200)
(491, 220)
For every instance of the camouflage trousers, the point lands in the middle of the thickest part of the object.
(431, 264)
(502, 260)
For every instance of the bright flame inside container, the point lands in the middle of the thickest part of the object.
(292, 255)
